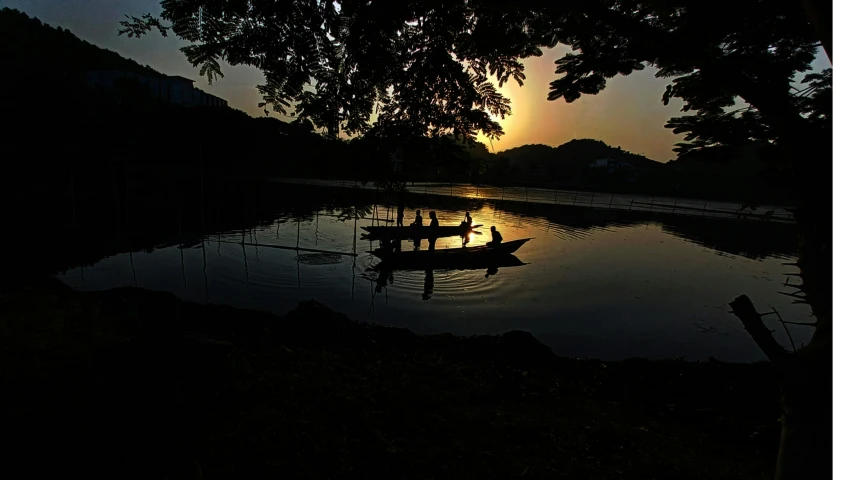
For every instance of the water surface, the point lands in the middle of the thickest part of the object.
(607, 284)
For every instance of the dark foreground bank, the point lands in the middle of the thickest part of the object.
(131, 383)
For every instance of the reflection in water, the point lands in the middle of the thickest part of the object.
(600, 283)
(429, 284)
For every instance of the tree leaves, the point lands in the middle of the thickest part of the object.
(336, 63)
(715, 52)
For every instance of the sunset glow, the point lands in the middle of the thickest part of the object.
(627, 114)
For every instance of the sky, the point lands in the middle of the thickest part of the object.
(628, 113)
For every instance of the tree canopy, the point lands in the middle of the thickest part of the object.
(714, 52)
(421, 66)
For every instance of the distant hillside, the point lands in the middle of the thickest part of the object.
(569, 158)
(30, 48)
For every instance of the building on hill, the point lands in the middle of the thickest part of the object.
(174, 89)
(610, 164)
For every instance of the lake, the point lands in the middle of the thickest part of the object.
(593, 282)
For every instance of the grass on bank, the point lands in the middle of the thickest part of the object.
(131, 383)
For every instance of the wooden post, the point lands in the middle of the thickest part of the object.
(297, 234)
(21, 203)
(591, 199)
(652, 204)
(611, 201)
(574, 198)
(245, 265)
(204, 268)
(525, 194)
(674, 205)
(555, 196)
(126, 198)
(73, 203)
(133, 269)
(201, 175)
(114, 181)
(180, 219)
(632, 203)
(703, 208)
(354, 231)
(183, 267)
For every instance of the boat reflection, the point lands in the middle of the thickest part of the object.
(429, 283)
(491, 266)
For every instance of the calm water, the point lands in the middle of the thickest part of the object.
(592, 284)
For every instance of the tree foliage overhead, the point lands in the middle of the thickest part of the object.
(714, 52)
(421, 66)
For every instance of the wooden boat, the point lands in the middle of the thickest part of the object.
(410, 232)
(450, 257)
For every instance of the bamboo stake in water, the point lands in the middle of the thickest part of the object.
(73, 203)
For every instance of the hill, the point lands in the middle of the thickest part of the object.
(31, 48)
(569, 159)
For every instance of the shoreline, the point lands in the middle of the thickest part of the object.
(134, 374)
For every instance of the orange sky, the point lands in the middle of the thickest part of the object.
(627, 114)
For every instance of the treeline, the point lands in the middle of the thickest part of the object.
(56, 123)
(749, 173)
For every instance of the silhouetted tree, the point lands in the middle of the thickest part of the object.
(420, 66)
(423, 67)
(716, 52)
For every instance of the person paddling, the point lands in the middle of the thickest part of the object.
(400, 214)
(497, 238)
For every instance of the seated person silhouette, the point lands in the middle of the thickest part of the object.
(433, 226)
(497, 238)
(419, 220)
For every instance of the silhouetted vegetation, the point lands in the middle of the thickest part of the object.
(424, 68)
(94, 128)
(715, 52)
(137, 384)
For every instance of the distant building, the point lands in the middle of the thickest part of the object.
(610, 164)
(174, 89)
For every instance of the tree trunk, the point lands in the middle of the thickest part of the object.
(805, 446)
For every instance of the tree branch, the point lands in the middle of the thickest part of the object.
(743, 309)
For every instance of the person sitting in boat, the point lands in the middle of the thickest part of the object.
(433, 220)
(433, 226)
(419, 220)
(497, 238)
